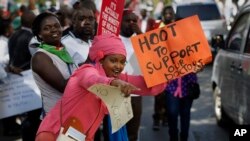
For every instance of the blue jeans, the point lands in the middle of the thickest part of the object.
(175, 107)
(120, 135)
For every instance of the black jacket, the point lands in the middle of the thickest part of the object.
(19, 49)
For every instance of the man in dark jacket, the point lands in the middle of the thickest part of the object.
(20, 58)
(19, 42)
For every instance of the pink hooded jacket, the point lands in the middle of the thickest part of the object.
(77, 101)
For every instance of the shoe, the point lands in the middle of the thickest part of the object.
(11, 133)
(156, 125)
(13, 130)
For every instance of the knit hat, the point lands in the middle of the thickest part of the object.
(106, 44)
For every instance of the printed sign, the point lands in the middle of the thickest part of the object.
(119, 107)
(111, 16)
(18, 94)
(172, 51)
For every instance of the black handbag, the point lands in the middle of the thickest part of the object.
(193, 90)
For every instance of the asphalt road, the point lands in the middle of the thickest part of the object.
(203, 123)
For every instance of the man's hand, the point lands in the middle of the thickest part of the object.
(199, 67)
(14, 70)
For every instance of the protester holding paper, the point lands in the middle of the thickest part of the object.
(9, 124)
(160, 110)
(177, 101)
(109, 56)
(20, 59)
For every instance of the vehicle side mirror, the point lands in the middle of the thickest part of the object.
(218, 42)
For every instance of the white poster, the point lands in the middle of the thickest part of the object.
(119, 107)
(18, 94)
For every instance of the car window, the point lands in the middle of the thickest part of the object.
(237, 33)
(201, 10)
(247, 47)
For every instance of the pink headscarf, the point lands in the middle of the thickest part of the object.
(106, 44)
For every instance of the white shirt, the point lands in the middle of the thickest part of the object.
(4, 55)
(4, 51)
(33, 45)
(77, 48)
(49, 94)
(144, 23)
(132, 65)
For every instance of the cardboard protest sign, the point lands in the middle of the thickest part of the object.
(119, 107)
(19, 94)
(172, 51)
(110, 17)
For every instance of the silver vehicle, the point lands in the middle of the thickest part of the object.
(231, 72)
(211, 19)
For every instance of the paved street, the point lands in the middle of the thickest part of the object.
(203, 123)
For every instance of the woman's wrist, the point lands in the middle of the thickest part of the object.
(111, 81)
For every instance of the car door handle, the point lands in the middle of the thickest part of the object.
(232, 66)
(240, 69)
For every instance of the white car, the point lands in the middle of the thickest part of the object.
(212, 21)
(231, 73)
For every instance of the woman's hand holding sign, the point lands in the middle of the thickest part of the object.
(199, 67)
(125, 87)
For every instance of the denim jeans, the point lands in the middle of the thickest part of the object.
(178, 106)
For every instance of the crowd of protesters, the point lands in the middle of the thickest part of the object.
(62, 49)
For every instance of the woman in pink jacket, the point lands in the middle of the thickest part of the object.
(109, 56)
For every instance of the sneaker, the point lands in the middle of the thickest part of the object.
(156, 125)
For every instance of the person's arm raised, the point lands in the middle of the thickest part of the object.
(125, 87)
